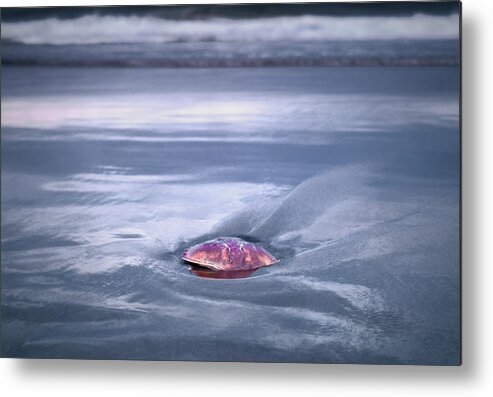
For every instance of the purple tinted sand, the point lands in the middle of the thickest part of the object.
(229, 253)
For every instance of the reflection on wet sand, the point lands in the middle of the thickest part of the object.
(220, 274)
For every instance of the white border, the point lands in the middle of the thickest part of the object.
(474, 378)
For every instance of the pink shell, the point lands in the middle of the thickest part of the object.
(229, 253)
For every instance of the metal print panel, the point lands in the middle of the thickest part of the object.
(268, 182)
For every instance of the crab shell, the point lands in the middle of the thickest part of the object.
(229, 253)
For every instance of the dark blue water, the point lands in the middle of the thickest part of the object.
(233, 54)
(350, 176)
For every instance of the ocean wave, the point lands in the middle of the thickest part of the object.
(96, 29)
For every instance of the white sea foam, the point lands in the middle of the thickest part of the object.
(94, 29)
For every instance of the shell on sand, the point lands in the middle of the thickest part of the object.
(230, 254)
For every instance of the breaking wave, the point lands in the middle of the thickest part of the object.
(96, 29)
